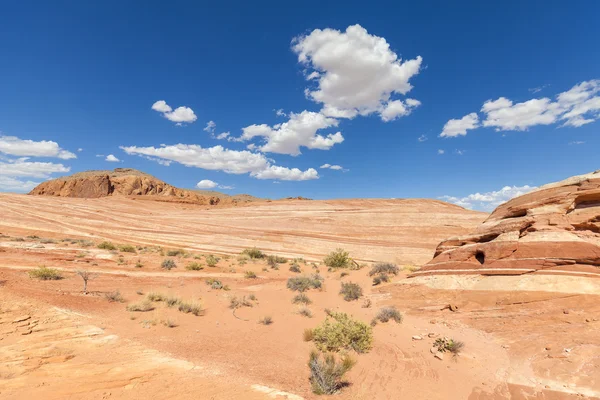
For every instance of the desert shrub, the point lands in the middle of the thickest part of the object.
(18, 239)
(301, 299)
(46, 241)
(272, 262)
(168, 264)
(114, 297)
(236, 302)
(172, 301)
(386, 314)
(338, 259)
(279, 259)
(144, 306)
(139, 264)
(250, 275)
(295, 268)
(176, 253)
(45, 274)
(140, 292)
(384, 268)
(343, 274)
(107, 246)
(253, 253)
(33, 237)
(305, 312)
(191, 308)
(127, 248)
(339, 331)
(194, 266)
(153, 296)
(380, 279)
(169, 323)
(211, 260)
(351, 291)
(216, 284)
(308, 335)
(327, 373)
(367, 303)
(266, 320)
(445, 344)
(252, 297)
(304, 283)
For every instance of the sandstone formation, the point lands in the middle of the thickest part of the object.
(554, 230)
(128, 182)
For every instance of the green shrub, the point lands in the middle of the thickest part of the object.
(451, 345)
(326, 373)
(253, 253)
(194, 266)
(351, 291)
(175, 253)
(153, 296)
(301, 299)
(304, 283)
(250, 275)
(211, 260)
(107, 246)
(266, 320)
(386, 314)
(338, 259)
(216, 284)
(127, 248)
(380, 278)
(339, 331)
(295, 268)
(168, 264)
(384, 268)
(45, 274)
(144, 306)
(191, 307)
(114, 297)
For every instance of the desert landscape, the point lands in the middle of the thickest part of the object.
(191, 298)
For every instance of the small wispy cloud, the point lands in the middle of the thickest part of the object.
(422, 138)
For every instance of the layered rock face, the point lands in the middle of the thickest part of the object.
(121, 181)
(554, 229)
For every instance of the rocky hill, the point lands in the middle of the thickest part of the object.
(129, 182)
(554, 229)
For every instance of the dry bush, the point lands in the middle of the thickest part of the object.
(211, 260)
(327, 373)
(304, 283)
(127, 248)
(367, 303)
(253, 253)
(144, 306)
(250, 275)
(338, 259)
(172, 301)
(266, 320)
(445, 344)
(153, 296)
(176, 253)
(191, 307)
(139, 264)
(384, 268)
(308, 335)
(168, 264)
(351, 291)
(339, 331)
(305, 312)
(194, 266)
(386, 314)
(295, 268)
(301, 299)
(114, 297)
(107, 246)
(235, 302)
(169, 323)
(45, 274)
(380, 279)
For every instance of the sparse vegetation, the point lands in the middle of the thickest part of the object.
(367, 303)
(86, 276)
(191, 308)
(114, 297)
(327, 373)
(301, 299)
(449, 345)
(45, 274)
(266, 320)
(308, 335)
(216, 284)
(169, 323)
(339, 331)
(139, 264)
(351, 291)
(304, 283)
(175, 253)
(254, 253)
(107, 246)
(168, 264)
(144, 306)
(295, 268)
(235, 302)
(194, 266)
(338, 259)
(252, 297)
(343, 274)
(384, 268)
(380, 279)
(172, 301)
(153, 296)
(305, 312)
(386, 314)
(250, 275)
(127, 248)
(211, 260)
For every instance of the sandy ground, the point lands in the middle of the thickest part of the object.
(58, 343)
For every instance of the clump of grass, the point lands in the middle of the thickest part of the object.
(45, 274)
(175, 253)
(449, 345)
(168, 264)
(153, 296)
(169, 323)
(250, 275)
(191, 308)
(140, 292)
(343, 274)
(107, 246)
(339, 331)
(211, 260)
(114, 297)
(252, 297)
(46, 241)
(338, 259)
(380, 279)
(304, 283)
(127, 248)
(327, 373)
(254, 253)
(216, 284)
(308, 335)
(172, 301)
(266, 320)
(235, 302)
(194, 266)
(295, 268)
(272, 262)
(367, 303)
(139, 264)
(301, 299)
(305, 312)
(278, 259)
(351, 291)
(144, 306)
(386, 314)
(18, 239)
(384, 268)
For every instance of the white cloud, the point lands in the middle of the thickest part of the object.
(299, 131)
(490, 200)
(80, 149)
(8, 184)
(14, 146)
(440, 151)
(460, 152)
(334, 167)
(459, 127)
(576, 142)
(180, 115)
(218, 158)
(111, 158)
(422, 138)
(210, 127)
(223, 135)
(206, 184)
(280, 113)
(503, 115)
(538, 89)
(22, 167)
(356, 73)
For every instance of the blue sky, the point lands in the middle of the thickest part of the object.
(369, 87)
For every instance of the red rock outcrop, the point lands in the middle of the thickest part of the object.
(554, 229)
